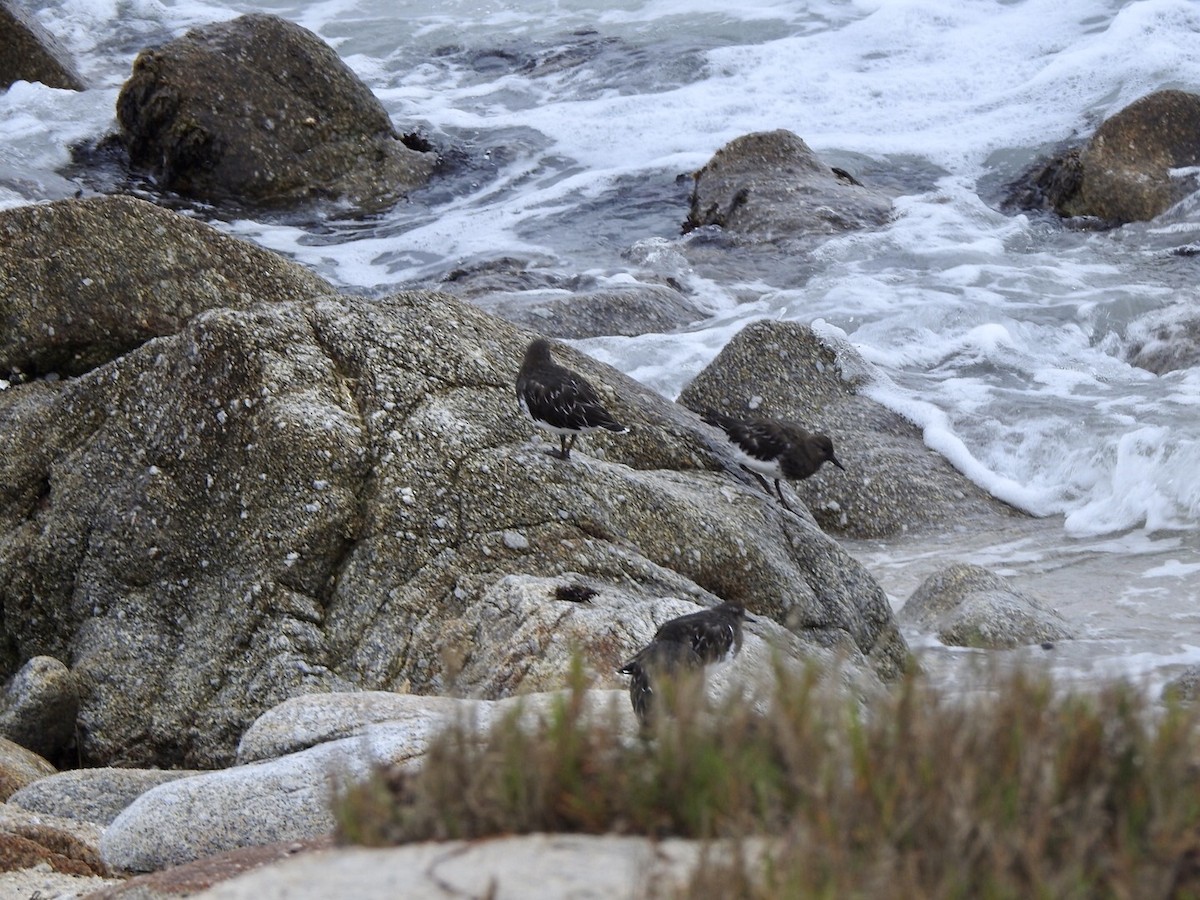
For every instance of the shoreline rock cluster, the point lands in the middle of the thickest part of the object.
(334, 493)
(255, 532)
(326, 503)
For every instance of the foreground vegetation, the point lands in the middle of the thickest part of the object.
(1026, 790)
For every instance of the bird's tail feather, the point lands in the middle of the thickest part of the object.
(711, 417)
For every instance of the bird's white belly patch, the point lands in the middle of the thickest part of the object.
(546, 426)
(562, 432)
(770, 468)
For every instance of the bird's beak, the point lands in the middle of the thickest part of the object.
(748, 618)
(836, 463)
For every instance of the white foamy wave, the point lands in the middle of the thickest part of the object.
(40, 124)
(940, 435)
(1145, 478)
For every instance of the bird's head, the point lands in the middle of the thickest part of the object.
(538, 351)
(735, 611)
(824, 443)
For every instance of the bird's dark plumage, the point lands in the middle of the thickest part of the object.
(713, 633)
(659, 662)
(559, 400)
(774, 448)
(684, 644)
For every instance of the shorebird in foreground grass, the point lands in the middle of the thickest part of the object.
(559, 400)
(665, 663)
(774, 448)
(680, 646)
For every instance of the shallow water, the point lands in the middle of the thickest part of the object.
(1002, 337)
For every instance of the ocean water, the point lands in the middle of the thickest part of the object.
(1001, 336)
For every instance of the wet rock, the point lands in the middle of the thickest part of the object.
(1165, 340)
(893, 483)
(90, 795)
(1124, 173)
(83, 281)
(770, 184)
(1184, 687)
(621, 309)
(260, 112)
(572, 307)
(967, 606)
(29, 53)
(38, 707)
(315, 496)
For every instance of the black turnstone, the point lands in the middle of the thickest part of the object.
(559, 400)
(684, 644)
(774, 448)
(715, 634)
(665, 663)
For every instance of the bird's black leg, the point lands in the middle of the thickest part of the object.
(779, 491)
(565, 447)
(766, 487)
(761, 480)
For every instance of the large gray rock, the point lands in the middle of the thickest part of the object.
(1126, 167)
(1184, 687)
(770, 184)
(306, 496)
(1166, 339)
(19, 767)
(90, 795)
(259, 111)
(967, 606)
(191, 878)
(39, 706)
(534, 633)
(29, 53)
(83, 281)
(631, 309)
(283, 800)
(892, 483)
(525, 867)
(571, 306)
(290, 798)
(311, 719)
(42, 881)
(1125, 172)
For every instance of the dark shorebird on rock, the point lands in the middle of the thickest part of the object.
(715, 634)
(559, 400)
(665, 663)
(774, 448)
(681, 646)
